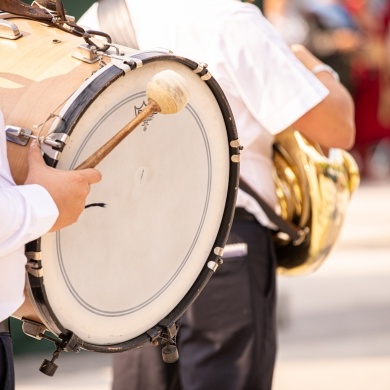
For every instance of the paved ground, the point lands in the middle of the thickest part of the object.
(334, 324)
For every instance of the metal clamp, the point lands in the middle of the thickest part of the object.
(9, 30)
(21, 136)
(34, 268)
(50, 144)
(86, 53)
(201, 67)
(33, 329)
(58, 139)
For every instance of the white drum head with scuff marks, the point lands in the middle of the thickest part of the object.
(121, 269)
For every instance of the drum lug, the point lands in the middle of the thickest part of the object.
(33, 329)
(126, 63)
(48, 367)
(212, 265)
(18, 135)
(172, 331)
(218, 251)
(166, 333)
(71, 344)
(37, 331)
(201, 67)
(170, 353)
(34, 255)
(34, 268)
(203, 72)
(21, 136)
(9, 30)
(86, 53)
(235, 144)
(54, 140)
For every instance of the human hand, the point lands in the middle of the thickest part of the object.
(69, 189)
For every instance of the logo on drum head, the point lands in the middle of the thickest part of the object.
(137, 110)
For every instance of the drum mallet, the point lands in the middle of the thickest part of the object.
(167, 93)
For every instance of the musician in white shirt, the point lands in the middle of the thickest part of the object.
(228, 336)
(49, 200)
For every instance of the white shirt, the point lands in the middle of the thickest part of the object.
(26, 213)
(268, 89)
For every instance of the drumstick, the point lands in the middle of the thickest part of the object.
(167, 93)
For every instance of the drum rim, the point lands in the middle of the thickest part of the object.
(102, 80)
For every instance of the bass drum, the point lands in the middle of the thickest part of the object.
(124, 274)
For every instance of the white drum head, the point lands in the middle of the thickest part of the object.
(121, 269)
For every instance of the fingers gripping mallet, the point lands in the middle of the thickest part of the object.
(167, 93)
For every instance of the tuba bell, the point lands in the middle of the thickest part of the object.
(313, 190)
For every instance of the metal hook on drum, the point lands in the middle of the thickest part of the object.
(87, 38)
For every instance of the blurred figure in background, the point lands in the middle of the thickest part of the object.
(371, 80)
(352, 36)
(287, 18)
(325, 27)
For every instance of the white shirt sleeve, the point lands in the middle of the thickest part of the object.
(90, 18)
(26, 211)
(285, 88)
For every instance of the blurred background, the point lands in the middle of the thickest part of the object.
(334, 324)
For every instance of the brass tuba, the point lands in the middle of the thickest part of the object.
(314, 191)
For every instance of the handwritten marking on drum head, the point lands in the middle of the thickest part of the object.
(167, 93)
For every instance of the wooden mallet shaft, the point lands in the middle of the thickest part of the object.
(95, 158)
(167, 93)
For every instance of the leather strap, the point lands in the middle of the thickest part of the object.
(17, 7)
(55, 17)
(293, 231)
(114, 18)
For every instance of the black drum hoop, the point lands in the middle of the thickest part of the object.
(66, 126)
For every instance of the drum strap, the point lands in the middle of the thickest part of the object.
(114, 17)
(19, 8)
(293, 231)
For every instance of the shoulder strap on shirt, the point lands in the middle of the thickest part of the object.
(115, 19)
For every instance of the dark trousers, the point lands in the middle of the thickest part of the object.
(227, 338)
(7, 372)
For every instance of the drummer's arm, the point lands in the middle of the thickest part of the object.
(334, 116)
